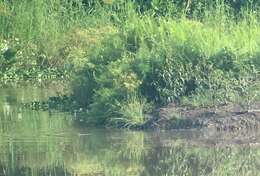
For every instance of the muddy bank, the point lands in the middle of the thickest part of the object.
(223, 118)
(226, 117)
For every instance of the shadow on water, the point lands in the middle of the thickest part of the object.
(42, 143)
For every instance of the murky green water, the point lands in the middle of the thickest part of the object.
(50, 143)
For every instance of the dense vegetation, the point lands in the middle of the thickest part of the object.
(126, 57)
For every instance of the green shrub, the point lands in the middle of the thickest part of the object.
(132, 112)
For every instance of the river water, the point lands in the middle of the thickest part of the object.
(51, 143)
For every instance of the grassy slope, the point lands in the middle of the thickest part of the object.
(127, 61)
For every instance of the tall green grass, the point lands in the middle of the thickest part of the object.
(35, 19)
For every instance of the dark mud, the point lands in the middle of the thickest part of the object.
(226, 118)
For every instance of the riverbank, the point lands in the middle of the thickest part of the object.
(230, 117)
(125, 59)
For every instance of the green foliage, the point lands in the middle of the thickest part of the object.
(164, 60)
(160, 50)
(34, 37)
(133, 112)
(17, 63)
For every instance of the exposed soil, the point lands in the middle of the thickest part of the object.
(226, 117)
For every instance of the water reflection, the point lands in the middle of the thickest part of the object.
(43, 143)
